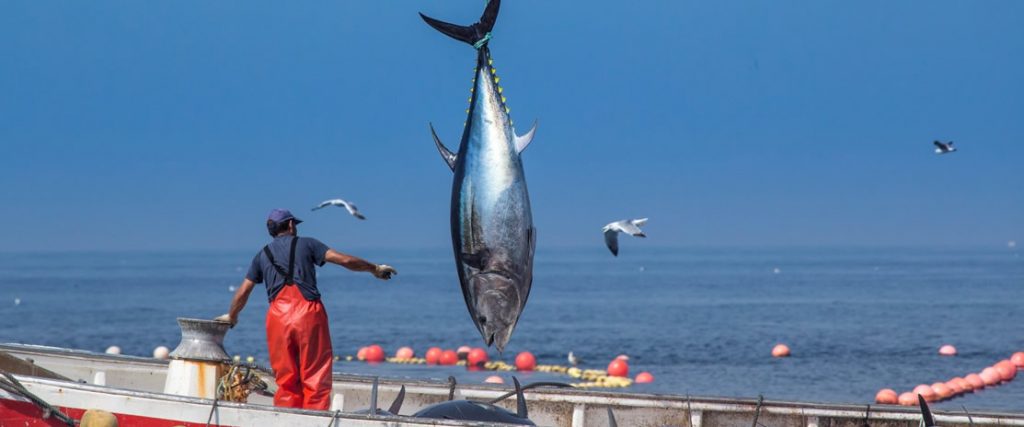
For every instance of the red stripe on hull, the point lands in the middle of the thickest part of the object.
(25, 414)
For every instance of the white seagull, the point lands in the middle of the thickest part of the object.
(612, 230)
(351, 208)
(944, 147)
(573, 360)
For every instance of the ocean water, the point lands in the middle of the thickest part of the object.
(702, 320)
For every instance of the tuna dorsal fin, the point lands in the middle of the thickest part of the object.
(476, 34)
(520, 400)
(397, 404)
(526, 139)
(446, 154)
(926, 414)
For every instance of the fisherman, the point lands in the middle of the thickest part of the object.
(298, 336)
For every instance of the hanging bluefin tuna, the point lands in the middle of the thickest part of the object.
(492, 229)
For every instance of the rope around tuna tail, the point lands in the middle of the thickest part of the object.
(480, 43)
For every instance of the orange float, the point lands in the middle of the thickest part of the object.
(618, 368)
(405, 353)
(942, 392)
(525, 361)
(361, 354)
(780, 350)
(433, 356)
(990, 376)
(645, 377)
(887, 396)
(965, 386)
(954, 387)
(947, 350)
(1007, 370)
(1018, 359)
(374, 354)
(926, 391)
(449, 357)
(907, 399)
(975, 381)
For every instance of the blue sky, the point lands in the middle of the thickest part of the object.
(178, 125)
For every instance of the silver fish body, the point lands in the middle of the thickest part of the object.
(493, 237)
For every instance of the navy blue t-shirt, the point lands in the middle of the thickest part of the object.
(309, 252)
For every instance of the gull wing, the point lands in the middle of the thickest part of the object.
(611, 238)
(630, 227)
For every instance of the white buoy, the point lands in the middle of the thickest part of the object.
(113, 350)
(161, 352)
(231, 288)
(17, 301)
(1011, 244)
(776, 270)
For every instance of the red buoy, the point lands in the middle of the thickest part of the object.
(644, 378)
(942, 391)
(361, 355)
(780, 350)
(449, 357)
(886, 396)
(947, 350)
(926, 392)
(404, 353)
(975, 380)
(1018, 359)
(1007, 370)
(990, 376)
(477, 357)
(908, 399)
(433, 356)
(618, 368)
(953, 385)
(525, 361)
(965, 386)
(374, 354)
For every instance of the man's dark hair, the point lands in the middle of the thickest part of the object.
(275, 228)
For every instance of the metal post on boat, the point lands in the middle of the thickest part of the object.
(198, 361)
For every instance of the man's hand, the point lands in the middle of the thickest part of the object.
(384, 271)
(226, 318)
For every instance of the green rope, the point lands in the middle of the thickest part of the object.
(480, 43)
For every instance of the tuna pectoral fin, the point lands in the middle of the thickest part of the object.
(446, 154)
(476, 34)
(526, 139)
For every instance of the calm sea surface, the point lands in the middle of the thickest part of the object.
(703, 321)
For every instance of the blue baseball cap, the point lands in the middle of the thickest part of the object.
(282, 215)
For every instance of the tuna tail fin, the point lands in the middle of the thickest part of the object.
(477, 34)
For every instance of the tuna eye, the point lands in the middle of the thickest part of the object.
(482, 319)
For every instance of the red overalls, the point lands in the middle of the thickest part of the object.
(299, 341)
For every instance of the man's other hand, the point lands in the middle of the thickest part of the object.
(384, 271)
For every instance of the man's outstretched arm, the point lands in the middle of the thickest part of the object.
(381, 271)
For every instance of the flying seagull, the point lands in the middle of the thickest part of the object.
(351, 208)
(944, 147)
(612, 230)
